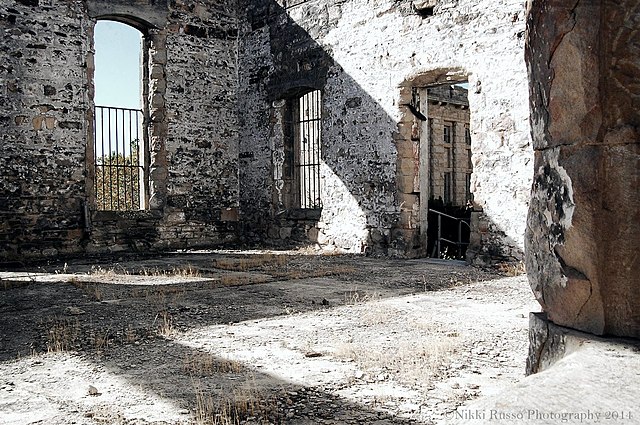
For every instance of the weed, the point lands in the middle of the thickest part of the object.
(130, 335)
(244, 402)
(257, 262)
(165, 324)
(203, 364)
(511, 269)
(62, 334)
(101, 340)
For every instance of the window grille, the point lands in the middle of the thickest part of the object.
(119, 152)
(307, 140)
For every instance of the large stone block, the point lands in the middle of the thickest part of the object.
(583, 229)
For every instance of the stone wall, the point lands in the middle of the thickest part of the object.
(218, 75)
(366, 56)
(584, 222)
(46, 110)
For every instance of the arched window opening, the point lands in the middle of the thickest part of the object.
(120, 146)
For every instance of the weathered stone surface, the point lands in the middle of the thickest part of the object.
(218, 73)
(366, 56)
(584, 222)
(577, 378)
(46, 115)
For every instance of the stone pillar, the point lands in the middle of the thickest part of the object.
(583, 229)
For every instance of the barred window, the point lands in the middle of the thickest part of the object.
(307, 149)
(119, 159)
(120, 150)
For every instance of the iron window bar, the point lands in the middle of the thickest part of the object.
(308, 150)
(118, 158)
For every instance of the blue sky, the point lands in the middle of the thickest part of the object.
(117, 61)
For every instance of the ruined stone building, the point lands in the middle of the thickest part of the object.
(450, 161)
(266, 121)
(297, 121)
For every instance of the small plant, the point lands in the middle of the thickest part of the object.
(130, 335)
(62, 335)
(203, 364)
(101, 340)
(511, 268)
(244, 402)
(165, 324)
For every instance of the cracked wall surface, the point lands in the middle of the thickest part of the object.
(584, 222)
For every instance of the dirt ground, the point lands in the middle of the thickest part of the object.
(255, 337)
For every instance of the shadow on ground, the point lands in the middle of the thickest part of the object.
(123, 316)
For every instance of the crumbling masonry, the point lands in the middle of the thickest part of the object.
(222, 79)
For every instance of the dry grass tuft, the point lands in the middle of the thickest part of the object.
(239, 280)
(511, 269)
(13, 284)
(113, 271)
(407, 361)
(101, 340)
(244, 402)
(410, 360)
(308, 274)
(130, 335)
(91, 289)
(355, 296)
(187, 271)
(164, 323)
(204, 364)
(62, 334)
(254, 262)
